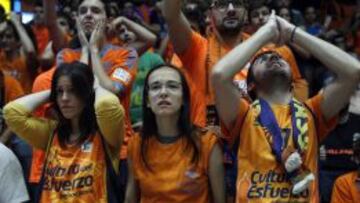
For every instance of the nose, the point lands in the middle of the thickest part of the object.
(65, 96)
(230, 10)
(163, 92)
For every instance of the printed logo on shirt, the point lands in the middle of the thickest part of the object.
(190, 184)
(122, 75)
(86, 147)
(270, 185)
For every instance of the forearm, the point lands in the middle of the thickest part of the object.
(179, 27)
(141, 32)
(56, 34)
(345, 66)
(32, 101)
(110, 117)
(24, 37)
(237, 58)
(171, 9)
(100, 73)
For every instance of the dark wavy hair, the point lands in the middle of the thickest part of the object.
(187, 128)
(82, 80)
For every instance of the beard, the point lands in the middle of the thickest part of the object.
(276, 78)
(230, 27)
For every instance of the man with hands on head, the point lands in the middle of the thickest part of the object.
(279, 135)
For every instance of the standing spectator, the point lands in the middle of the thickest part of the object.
(312, 23)
(39, 28)
(272, 128)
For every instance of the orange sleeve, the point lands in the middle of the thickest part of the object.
(197, 42)
(342, 190)
(194, 59)
(323, 127)
(67, 56)
(124, 68)
(13, 89)
(207, 144)
(231, 133)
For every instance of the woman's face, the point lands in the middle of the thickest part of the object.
(7, 38)
(69, 103)
(165, 94)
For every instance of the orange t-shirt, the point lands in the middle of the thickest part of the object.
(260, 177)
(18, 69)
(42, 36)
(173, 178)
(345, 189)
(121, 65)
(75, 174)
(201, 56)
(13, 89)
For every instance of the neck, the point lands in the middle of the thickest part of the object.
(276, 96)
(75, 128)
(229, 39)
(167, 126)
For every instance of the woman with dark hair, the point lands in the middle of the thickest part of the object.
(172, 160)
(82, 144)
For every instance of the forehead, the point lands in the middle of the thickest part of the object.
(92, 3)
(261, 8)
(163, 75)
(64, 81)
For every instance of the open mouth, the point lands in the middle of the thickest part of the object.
(164, 103)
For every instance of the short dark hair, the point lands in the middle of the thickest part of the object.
(82, 80)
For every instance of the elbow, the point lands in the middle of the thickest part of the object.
(217, 76)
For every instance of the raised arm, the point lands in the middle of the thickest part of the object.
(18, 116)
(179, 27)
(227, 96)
(216, 175)
(56, 34)
(347, 69)
(110, 117)
(26, 42)
(145, 38)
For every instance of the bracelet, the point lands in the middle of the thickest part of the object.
(293, 34)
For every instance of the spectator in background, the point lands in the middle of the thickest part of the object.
(336, 150)
(18, 56)
(296, 15)
(347, 187)
(312, 21)
(39, 28)
(12, 183)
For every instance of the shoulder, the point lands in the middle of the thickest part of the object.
(7, 157)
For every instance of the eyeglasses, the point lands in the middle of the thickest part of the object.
(223, 4)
